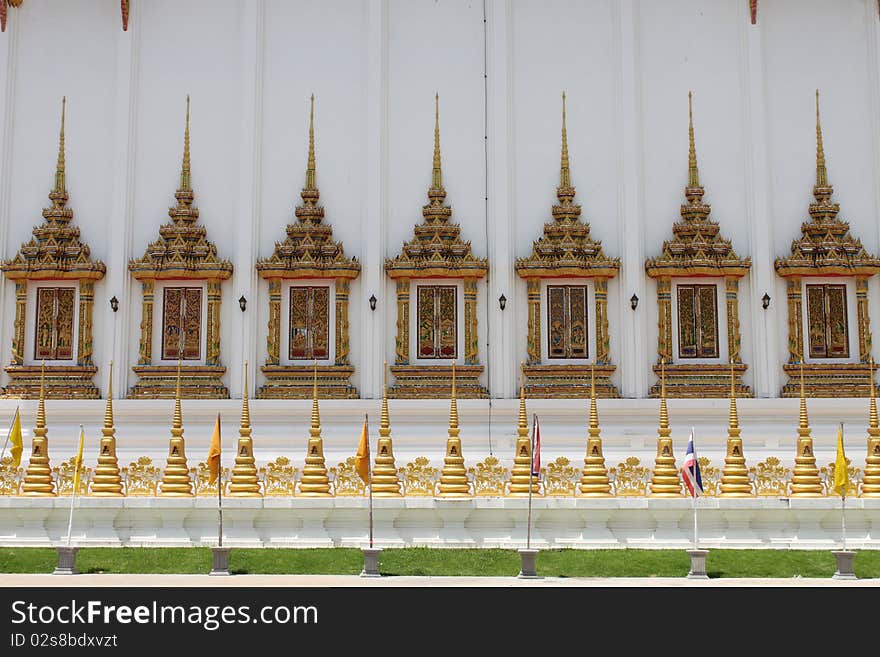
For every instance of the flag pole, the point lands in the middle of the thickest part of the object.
(694, 497)
(369, 476)
(843, 504)
(6, 443)
(220, 491)
(73, 494)
(531, 474)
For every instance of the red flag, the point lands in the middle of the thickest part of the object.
(536, 449)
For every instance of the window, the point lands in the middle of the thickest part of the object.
(697, 321)
(182, 323)
(54, 328)
(826, 315)
(437, 321)
(567, 321)
(309, 337)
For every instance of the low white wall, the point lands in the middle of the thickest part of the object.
(435, 522)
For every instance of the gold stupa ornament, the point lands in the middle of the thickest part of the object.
(826, 248)
(47, 265)
(38, 476)
(244, 481)
(871, 477)
(734, 475)
(107, 482)
(384, 477)
(521, 475)
(308, 252)
(175, 479)
(594, 476)
(453, 476)
(665, 481)
(315, 482)
(805, 481)
(184, 255)
(697, 249)
(437, 252)
(565, 251)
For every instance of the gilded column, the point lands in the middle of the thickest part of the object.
(18, 331)
(864, 319)
(534, 338)
(471, 341)
(664, 321)
(603, 340)
(871, 478)
(795, 323)
(212, 356)
(733, 335)
(273, 340)
(342, 342)
(402, 343)
(86, 303)
(146, 347)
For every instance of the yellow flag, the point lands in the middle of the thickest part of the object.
(15, 440)
(362, 460)
(214, 452)
(77, 466)
(841, 476)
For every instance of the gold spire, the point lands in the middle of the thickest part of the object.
(314, 481)
(107, 481)
(594, 476)
(821, 171)
(521, 475)
(693, 171)
(384, 420)
(665, 480)
(175, 480)
(315, 429)
(437, 173)
(564, 170)
(594, 411)
(108, 411)
(803, 420)
(453, 476)
(733, 417)
(38, 480)
(385, 482)
(185, 184)
(453, 406)
(664, 412)
(244, 481)
(245, 407)
(871, 476)
(734, 475)
(60, 183)
(872, 414)
(805, 480)
(177, 419)
(310, 166)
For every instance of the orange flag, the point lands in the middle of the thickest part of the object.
(214, 452)
(362, 459)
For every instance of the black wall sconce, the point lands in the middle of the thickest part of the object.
(634, 302)
(242, 303)
(502, 302)
(765, 301)
(372, 302)
(114, 303)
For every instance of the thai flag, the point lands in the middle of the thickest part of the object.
(536, 449)
(690, 470)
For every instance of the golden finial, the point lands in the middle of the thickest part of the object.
(310, 167)
(60, 186)
(245, 407)
(664, 413)
(316, 417)
(177, 420)
(522, 420)
(821, 171)
(185, 184)
(437, 173)
(453, 406)
(803, 421)
(108, 412)
(564, 170)
(733, 420)
(594, 411)
(384, 421)
(41, 406)
(872, 416)
(693, 172)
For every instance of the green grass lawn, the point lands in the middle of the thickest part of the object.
(427, 561)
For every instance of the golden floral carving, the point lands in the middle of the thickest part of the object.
(419, 477)
(346, 480)
(279, 478)
(560, 478)
(711, 477)
(141, 477)
(489, 477)
(770, 477)
(63, 475)
(10, 478)
(630, 478)
(854, 477)
(201, 477)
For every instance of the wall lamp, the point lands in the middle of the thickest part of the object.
(372, 302)
(502, 302)
(634, 302)
(114, 303)
(242, 303)
(765, 301)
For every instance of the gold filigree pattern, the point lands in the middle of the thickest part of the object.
(419, 477)
(770, 478)
(854, 475)
(279, 478)
(711, 477)
(489, 478)
(630, 478)
(346, 480)
(141, 478)
(63, 475)
(560, 478)
(201, 477)
(10, 478)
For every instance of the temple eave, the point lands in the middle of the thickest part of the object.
(20, 273)
(274, 270)
(659, 269)
(222, 272)
(792, 269)
(436, 270)
(608, 269)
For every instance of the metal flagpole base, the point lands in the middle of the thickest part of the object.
(527, 568)
(371, 562)
(66, 561)
(845, 560)
(220, 561)
(698, 564)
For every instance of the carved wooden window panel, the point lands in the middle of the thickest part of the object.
(437, 314)
(567, 333)
(697, 321)
(53, 339)
(182, 323)
(309, 337)
(827, 321)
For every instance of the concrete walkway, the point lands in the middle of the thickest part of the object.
(353, 580)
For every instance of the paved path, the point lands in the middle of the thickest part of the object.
(353, 580)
